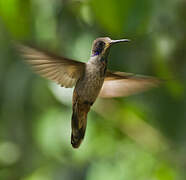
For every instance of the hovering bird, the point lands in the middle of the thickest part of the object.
(91, 79)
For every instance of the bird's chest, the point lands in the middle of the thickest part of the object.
(90, 84)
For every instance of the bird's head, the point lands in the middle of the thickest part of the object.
(101, 46)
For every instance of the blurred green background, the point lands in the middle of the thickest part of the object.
(142, 137)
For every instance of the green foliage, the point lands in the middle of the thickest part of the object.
(139, 137)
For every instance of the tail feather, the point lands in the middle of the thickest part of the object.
(79, 122)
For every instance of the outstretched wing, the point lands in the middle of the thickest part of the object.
(64, 71)
(117, 84)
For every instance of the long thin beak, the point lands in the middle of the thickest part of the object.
(118, 41)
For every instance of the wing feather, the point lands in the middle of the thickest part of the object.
(63, 71)
(117, 84)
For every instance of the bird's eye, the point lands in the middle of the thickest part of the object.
(99, 47)
(101, 44)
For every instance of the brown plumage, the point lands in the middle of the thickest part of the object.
(90, 79)
(79, 119)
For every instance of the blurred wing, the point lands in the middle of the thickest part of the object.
(64, 71)
(119, 84)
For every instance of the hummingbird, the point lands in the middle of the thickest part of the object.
(91, 80)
